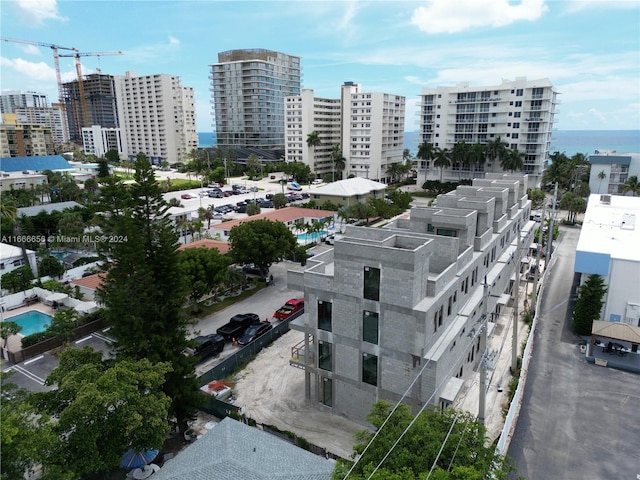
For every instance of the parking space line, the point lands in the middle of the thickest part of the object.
(28, 374)
(83, 339)
(35, 359)
(104, 338)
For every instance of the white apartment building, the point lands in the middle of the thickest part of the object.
(304, 114)
(610, 169)
(608, 246)
(97, 140)
(249, 87)
(369, 127)
(520, 112)
(156, 115)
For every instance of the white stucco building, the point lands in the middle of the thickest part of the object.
(97, 140)
(11, 258)
(521, 112)
(369, 127)
(156, 115)
(610, 169)
(608, 246)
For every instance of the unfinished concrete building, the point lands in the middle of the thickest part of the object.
(400, 310)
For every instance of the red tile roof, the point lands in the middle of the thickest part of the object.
(283, 215)
(91, 281)
(222, 247)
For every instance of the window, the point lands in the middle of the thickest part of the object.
(370, 369)
(372, 283)
(327, 392)
(370, 327)
(324, 315)
(325, 360)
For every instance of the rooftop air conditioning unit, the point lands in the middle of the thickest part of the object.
(605, 199)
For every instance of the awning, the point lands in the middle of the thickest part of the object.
(86, 307)
(56, 297)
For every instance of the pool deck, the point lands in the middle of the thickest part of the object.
(15, 341)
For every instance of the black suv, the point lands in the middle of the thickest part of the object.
(208, 345)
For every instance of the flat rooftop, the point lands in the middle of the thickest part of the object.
(612, 227)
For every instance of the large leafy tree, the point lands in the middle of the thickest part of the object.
(17, 280)
(102, 410)
(203, 270)
(261, 242)
(574, 205)
(144, 288)
(589, 304)
(450, 444)
(24, 434)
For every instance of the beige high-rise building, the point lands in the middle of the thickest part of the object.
(156, 115)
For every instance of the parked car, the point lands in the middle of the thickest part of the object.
(186, 196)
(266, 204)
(290, 310)
(203, 193)
(253, 332)
(237, 325)
(207, 346)
(317, 181)
(253, 189)
(242, 208)
(252, 269)
(294, 186)
(216, 194)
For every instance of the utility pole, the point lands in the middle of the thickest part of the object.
(516, 301)
(536, 276)
(550, 233)
(483, 361)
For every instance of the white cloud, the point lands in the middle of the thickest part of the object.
(173, 40)
(573, 6)
(446, 16)
(38, 11)
(154, 52)
(35, 71)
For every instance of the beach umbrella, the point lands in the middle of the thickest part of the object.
(132, 459)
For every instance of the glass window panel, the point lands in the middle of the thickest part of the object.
(324, 315)
(372, 283)
(324, 356)
(370, 369)
(370, 327)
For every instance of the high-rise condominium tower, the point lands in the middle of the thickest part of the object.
(156, 116)
(249, 87)
(520, 112)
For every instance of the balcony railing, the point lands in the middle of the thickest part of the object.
(300, 357)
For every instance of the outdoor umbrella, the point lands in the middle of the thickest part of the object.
(132, 459)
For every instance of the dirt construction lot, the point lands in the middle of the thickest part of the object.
(273, 393)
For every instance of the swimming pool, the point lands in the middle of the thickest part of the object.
(32, 321)
(313, 236)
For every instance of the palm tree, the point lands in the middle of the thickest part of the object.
(313, 141)
(253, 164)
(394, 170)
(512, 160)
(338, 160)
(442, 160)
(496, 149)
(477, 155)
(631, 185)
(8, 209)
(426, 151)
(601, 176)
(460, 156)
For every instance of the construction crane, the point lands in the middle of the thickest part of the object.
(77, 55)
(56, 62)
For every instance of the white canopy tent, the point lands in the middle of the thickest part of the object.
(86, 307)
(56, 297)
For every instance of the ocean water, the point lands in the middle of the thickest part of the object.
(568, 141)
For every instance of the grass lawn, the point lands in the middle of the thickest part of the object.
(221, 305)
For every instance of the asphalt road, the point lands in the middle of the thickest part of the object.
(578, 420)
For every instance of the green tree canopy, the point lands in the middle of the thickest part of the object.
(17, 280)
(537, 197)
(50, 267)
(203, 269)
(262, 242)
(144, 288)
(253, 209)
(102, 410)
(630, 186)
(279, 200)
(589, 304)
(465, 452)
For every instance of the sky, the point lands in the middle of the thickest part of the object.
(588, 49)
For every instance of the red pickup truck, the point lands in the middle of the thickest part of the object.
(290, 310)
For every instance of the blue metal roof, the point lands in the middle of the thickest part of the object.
(37, 164)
